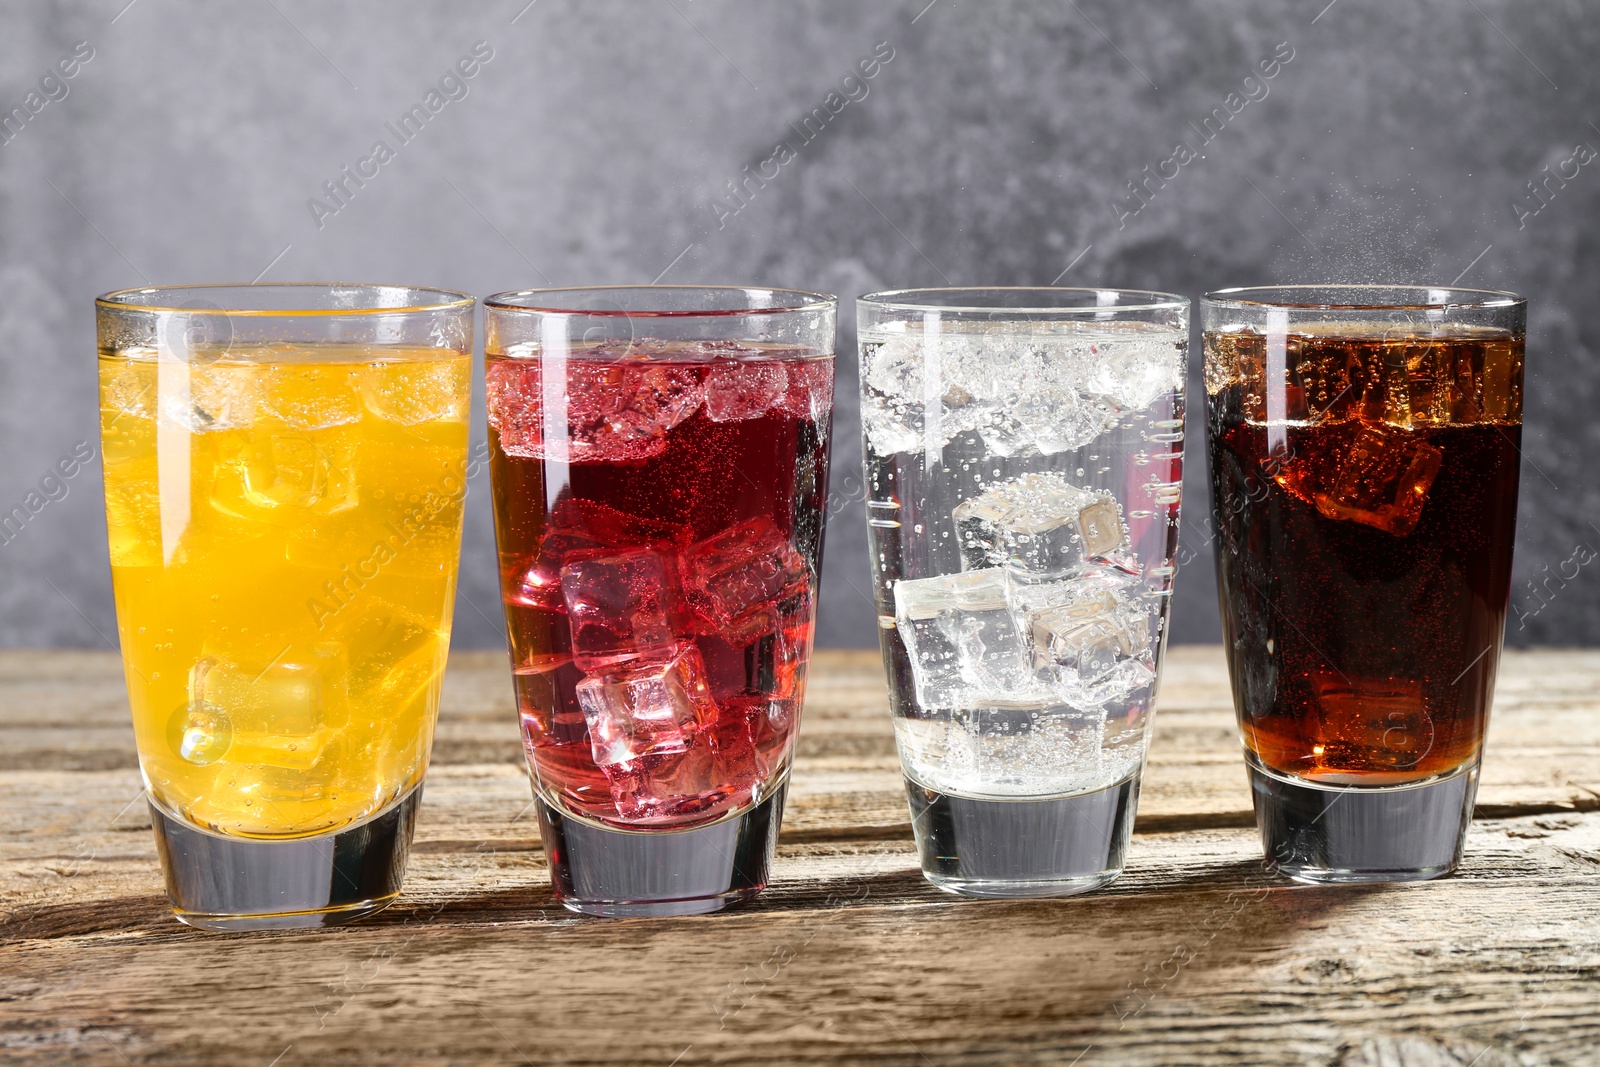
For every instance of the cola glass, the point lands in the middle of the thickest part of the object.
(1364, 451)
(1024, 454)
(659, 461)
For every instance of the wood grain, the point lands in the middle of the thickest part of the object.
(1195, 956)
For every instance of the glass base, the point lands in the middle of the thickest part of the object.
(1333, 834)
(1023, 848)
(236, 883)
(600, 870)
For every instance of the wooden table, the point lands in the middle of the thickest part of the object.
(1195, 956)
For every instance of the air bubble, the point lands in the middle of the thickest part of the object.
(199, 732)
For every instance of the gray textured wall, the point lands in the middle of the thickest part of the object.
(991, 149)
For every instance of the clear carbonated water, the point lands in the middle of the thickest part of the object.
(1024, 481)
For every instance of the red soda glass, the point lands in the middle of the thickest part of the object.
(659, 462)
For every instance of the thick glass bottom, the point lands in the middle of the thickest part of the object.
(230, 883)
(1023, 848)
(598, 870)
(1335, 834)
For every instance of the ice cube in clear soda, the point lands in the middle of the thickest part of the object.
(964, 640)
(1040, 526)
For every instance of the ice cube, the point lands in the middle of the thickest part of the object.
(415, 391)
(577, 524)
(1133, 372)
(666, 749)
(127, 388)
(1057, 419)
(281, 713)
(745, 579)
(309, 396)
(620, 606)
(1382, 480)
(739, 391)
(202, 397)
(890, 427)
(1040, 526)
(287, 473)
(810, 392)
(1370, 723)
(535, 582)
(776, 662)
(964, 640)
(621, 412)
(723, 769)
(1050, 389)
(617, 410)
(768, 723)
(513, 394)
(652, 709)
(896, 412)
(1088, 593)
(396, 657)
(1096, 644)
(1496, 382)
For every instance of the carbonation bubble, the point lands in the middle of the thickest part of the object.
(200, 732)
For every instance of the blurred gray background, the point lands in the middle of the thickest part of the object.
(597, 142)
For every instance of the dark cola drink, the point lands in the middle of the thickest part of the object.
(1362, 536)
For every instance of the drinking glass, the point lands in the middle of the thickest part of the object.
(284, 474)
(1024, 469)
(659, 462)
(1364, 449)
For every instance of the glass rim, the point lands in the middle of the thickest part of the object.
(905, 300)
(1243, 296)
(522, 300)
(124, 299)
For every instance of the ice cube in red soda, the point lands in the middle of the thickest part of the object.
(649, 708)
(741, 579)
(578, 525)
(616, 410)
(723, 769)
(662, 742)
(620, 606)
(810, 392)
(739, 391)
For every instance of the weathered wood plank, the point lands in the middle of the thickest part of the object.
(1195, 956)
(853, 959)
